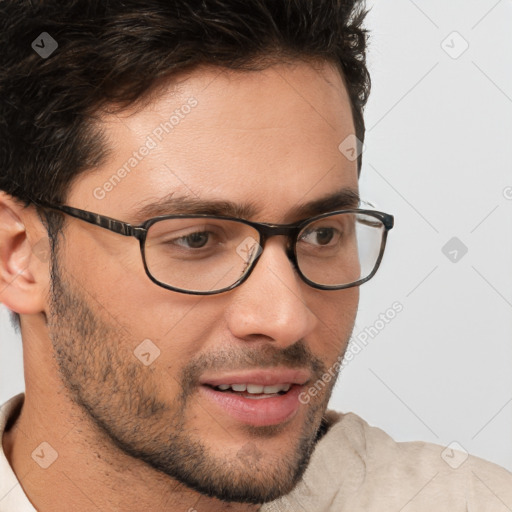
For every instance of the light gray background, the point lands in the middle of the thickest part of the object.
(439, 157)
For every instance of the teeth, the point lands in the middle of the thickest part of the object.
(255, 389)
(276, 389)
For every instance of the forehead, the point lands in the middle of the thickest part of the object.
(267, 137)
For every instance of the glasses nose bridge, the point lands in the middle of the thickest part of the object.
(267, 231)
(270, 230)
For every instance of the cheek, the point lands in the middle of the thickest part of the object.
(336, 312)
(119, 290)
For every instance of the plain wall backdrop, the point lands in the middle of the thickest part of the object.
(438, 156)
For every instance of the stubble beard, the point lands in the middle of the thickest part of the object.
(120, 397)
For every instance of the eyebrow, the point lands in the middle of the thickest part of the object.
(345, 198)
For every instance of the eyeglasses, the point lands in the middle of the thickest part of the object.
(206, 254)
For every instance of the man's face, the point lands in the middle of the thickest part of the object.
(144, 362)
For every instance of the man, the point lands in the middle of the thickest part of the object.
(182, 242)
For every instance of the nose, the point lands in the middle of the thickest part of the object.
(271, 304)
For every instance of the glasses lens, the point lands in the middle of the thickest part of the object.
(340, 249)
(200, 254)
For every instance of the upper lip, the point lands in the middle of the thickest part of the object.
(270, 377)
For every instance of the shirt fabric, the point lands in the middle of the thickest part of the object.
(354, 468)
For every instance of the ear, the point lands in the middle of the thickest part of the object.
(24, 257)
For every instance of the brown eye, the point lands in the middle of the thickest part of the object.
(194, 240)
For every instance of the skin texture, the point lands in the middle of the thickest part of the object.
(133, 437)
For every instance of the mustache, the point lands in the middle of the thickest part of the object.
(297, 355)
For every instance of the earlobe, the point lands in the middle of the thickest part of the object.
(23, 275)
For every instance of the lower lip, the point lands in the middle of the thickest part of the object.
(257, 412)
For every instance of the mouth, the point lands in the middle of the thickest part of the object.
(257, 398)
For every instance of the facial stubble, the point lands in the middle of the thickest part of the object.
(119, 397)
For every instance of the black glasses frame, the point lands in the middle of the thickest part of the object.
(265, 231)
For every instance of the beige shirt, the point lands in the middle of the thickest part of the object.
(356, 468)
